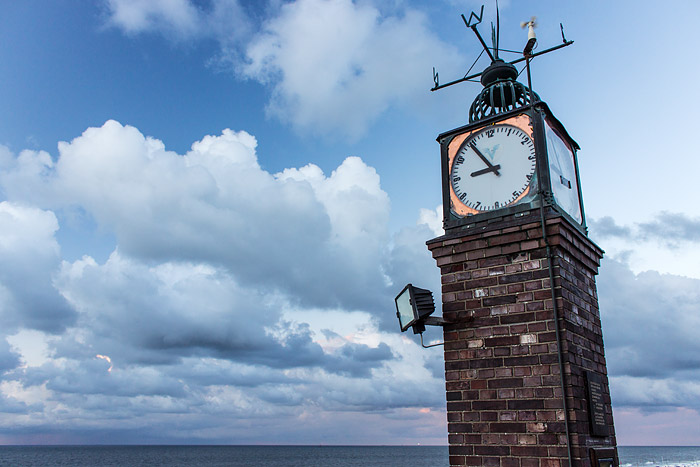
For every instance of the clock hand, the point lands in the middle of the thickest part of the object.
(492, 168)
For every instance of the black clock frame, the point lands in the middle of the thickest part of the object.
(537, 113)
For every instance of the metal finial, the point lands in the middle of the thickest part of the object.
(473, 15)
(476, 31)
(472, 23)
(493, 41)
(498, 30)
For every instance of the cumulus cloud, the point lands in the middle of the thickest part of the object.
(134, 16)
(650, 324)
(224, 20)
(327, 63)
(670, 228)
(139, 315)
(9, 359)
(408, 263)
(322, 238)
(29, 254)
(653, 395)
(324, 61)
(607, 227)
(201, 311)
(433, 219)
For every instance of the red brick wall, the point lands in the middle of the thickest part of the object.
(504, 401)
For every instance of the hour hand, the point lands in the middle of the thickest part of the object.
(491, 167)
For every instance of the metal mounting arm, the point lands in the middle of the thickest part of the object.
(434, 321)
(429, 346)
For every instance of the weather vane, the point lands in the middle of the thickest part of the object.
(493, 52)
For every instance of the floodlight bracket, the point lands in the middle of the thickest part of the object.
(434, 321)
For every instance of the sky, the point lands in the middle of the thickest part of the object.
(207, 208)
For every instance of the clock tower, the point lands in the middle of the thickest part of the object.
(525, 371)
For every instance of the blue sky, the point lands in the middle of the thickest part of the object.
(207, 208)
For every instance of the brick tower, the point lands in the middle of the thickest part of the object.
(502, 364)
(525, 367)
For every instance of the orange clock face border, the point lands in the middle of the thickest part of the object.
(521, 121)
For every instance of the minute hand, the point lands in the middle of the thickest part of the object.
(491, 167)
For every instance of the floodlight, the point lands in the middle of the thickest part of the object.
(414, 307)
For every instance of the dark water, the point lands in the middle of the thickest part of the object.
(289, 456)
(659, 455)
(201, 456)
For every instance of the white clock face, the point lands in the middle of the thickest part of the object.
(562, 173)
(492, 169)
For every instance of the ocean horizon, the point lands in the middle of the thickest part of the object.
(288, 455)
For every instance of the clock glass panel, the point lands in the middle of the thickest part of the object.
(492, 167)
(562, 172)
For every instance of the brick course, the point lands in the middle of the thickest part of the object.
(504, 397)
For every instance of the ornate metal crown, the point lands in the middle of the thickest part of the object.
(501, 92)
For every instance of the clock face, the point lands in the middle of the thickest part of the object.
(493, 168)
(562, 173)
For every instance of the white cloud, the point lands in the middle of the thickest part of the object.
(31, 346)
(333, 66)
(9, 359)
(185, 342)
(321, 237)
(433, 219)
(653, 394)
(135, 16)
(26, 170)
(29, 254)
(650, 324)
(224, 299)
(353, 199)
(666, 242)
(336, 65)
(225, 21)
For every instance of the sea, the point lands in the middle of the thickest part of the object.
(290, 456)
